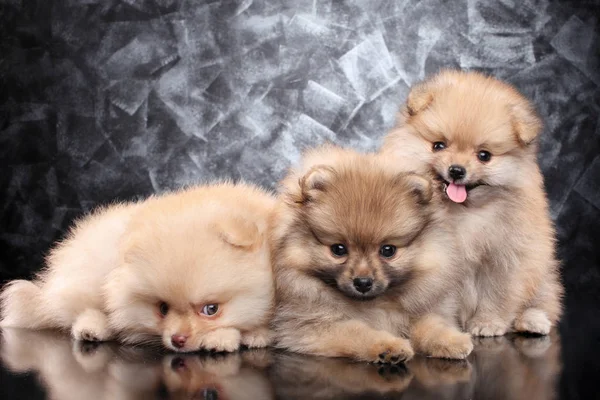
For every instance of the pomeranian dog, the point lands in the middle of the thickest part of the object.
(190, 269)
(360, 264)
(478, 136)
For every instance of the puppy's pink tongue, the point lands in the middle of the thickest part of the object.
(456, 193)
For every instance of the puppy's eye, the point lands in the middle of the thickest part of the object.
(437, 146)
(163, 308)
(339, 250)
(484, 156)
(387, 250)
(210, 309)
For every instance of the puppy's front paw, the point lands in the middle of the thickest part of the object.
(257, 338)
(533, 320)
(390, 351)
(486, 327)
(452, 345)
(222, 340)
(91, 326)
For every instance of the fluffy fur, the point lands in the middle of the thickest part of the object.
(504, 228)
(144, 272)
(342, 197)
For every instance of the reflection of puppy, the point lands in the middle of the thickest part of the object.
(436, 378)
(61, 368)
(189, 269)
(215, 377)
(432, 372)
(132, 373)
(479, 137)
(516, 367)
(356, 256)
(300, 377)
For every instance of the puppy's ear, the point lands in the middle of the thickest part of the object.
(239, 232)
(525, 121)
(419, 186)
(316, 180)
(422, 94)
(419, 98)
(133, 251)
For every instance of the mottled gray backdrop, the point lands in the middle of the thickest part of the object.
(113, 99)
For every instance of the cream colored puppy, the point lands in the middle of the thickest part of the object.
(188, 269)
(479, 137)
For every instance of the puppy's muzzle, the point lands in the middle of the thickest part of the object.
(363, 285)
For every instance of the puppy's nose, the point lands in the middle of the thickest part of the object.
(457, 172)
(363, 285)
(178, 340)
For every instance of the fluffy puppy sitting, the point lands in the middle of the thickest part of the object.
(190, 270)
(479, 137)
(358, 259)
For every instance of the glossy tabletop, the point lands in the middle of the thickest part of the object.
(38, 365)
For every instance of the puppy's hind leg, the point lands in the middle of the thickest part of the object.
(545, 309)
(91, 326)
(23, 306)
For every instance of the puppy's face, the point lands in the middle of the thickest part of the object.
(182, 279)
(473, 132)
(358, 222)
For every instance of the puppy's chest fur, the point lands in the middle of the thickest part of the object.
(489, 236)
(493, 240)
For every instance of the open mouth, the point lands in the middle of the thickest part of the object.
(457, 192)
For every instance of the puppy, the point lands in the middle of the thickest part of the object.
(357, 257)
(479, 137)
(190, 270)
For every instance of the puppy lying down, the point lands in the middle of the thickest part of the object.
(361, 264)
(189, 269)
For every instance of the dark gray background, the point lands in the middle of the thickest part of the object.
(114, 99)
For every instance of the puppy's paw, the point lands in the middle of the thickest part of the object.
(487, 327)
(257, 338)
(390, 351)
(452, 345)
(222, 340)
(91, 326)
(533, 320)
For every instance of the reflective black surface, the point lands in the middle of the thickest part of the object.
(38, 365)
